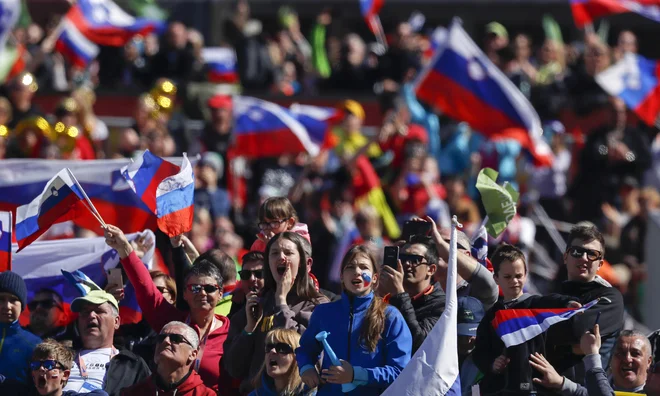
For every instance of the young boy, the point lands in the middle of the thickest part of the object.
(507, 370)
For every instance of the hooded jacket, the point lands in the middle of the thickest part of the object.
(373, 371)
(267, 388)
(16, 347)
(191, 385)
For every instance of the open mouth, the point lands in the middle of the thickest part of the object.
(92, 326)
(357, 282)
(273, 363)
(41, 382)
(281, 269)
(627, 370)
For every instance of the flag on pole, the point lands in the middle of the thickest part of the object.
(517, 326)
(370, 10)
(74, 46)
(586, 11)
(499, 201)
(5, 241)
(433, 369)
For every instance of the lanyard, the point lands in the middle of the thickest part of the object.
(202, 343)
(83, 368)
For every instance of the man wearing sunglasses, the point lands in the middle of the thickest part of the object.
(252, 280)
(175, 355)
(48, 318)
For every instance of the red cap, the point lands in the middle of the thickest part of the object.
(220, 102)
(417, 132)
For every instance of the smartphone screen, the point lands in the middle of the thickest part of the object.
(391, 256)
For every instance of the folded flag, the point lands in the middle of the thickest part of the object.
(5, 241)
(586, 11)
(58, 202)
(517, 326)
(499, 201)
(81, 281)
(166, 189)
(220, 65)
(636, 80)
(74, 46)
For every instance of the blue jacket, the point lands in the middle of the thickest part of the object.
(16, 346)
(373, 371)
(267, 388)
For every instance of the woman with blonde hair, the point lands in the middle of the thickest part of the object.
(94, 128)
(279, 373)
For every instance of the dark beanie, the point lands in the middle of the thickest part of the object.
(11, 282)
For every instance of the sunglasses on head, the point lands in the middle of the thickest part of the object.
(414, 259)
(47, 364)
(46, 304)
(579, 251)
(174, 338)
(281, 348)
(267, 225)
(247, 274)
(207, 288)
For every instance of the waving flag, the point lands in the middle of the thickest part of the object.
(370, 10)
(45, 264)
(318, 121)
(464, 84)
(586, 11)
(479, 249)
(166, 189)
(436, 41)
(220, 65)
(265, 129)
(499, 201)
(433, 369)
(636, 80)
(517, 326)
(5, 241)
(75, 47)
(105, 23)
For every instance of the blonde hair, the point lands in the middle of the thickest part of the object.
(291, 338)
(51, 349)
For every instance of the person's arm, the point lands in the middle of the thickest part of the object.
(418, 329)
(286, 318)
(483, 286)
(181, 263)
(309, 352)
(239, 347)
(319, 54)
(611, 318)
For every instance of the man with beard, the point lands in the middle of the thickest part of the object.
(48, 318)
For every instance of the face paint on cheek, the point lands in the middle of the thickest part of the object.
(366, 277)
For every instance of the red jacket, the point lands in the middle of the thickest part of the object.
(192, 386)
(158, 312)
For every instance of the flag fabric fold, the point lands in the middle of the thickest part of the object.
(74, 46)
(318, 121)
(586, 11)
(5, 241)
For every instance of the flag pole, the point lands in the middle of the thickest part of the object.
(89, 202)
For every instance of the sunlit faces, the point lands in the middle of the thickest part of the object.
(630, 362)
(358, 275)
(49, 376)
(252, 277)
(283, 255)
(416, 269)
(581, 268)
(172, 345)
(203, 299)
(279, 359)
(272, 227)
(10, 308)
(511, 278)
(97, 325)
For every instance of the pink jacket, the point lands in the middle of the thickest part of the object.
(300, 228)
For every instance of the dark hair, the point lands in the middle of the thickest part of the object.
(431, 254)
(275, 208)
(204, 267)
(506, 252)
(223, 262)
(253, 256)
(303, 285)
(587, 233)
(53, 293)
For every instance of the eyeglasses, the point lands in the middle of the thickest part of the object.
(163, 290)
(207, 288)
(175, 339)
(281, 348)
(268, 225)
(247, 274)
(414, 259)
(47, 364)
(578, 252)
(46, 304)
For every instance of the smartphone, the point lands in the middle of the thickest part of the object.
(391, 256)
(412, 228)
(115, 277)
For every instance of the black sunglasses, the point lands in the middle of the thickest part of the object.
(414, 259)
(579, 251)
(266, 225)
(247, 274)
(281, 348)
(174, 338)
(46, 304)
(207, 288)
(47, 364)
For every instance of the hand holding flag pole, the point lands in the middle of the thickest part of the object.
(89, 205)
(322, 338)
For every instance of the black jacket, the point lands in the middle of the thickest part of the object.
(420, 313)
(125, 369)
(517, 376)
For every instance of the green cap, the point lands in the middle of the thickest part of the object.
(497, 29)
(96, 297)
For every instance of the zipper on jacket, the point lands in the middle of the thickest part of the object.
(350, 331)
(2, 343)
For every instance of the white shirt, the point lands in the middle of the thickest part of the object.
(96, 362)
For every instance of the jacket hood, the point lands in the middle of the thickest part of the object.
(192, 382)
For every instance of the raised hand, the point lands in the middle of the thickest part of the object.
(115, 238)
(551, 379)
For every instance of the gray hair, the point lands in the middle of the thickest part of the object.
(188, 332)
(115, 311)
(636, 334)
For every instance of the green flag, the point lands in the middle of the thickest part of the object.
(148, 9)
(499, 201)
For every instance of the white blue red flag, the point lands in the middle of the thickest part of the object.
(45, 264)
(5, 241)
(220, 65)
(105, 23)
(464, 84)
(74, 46)
(479, 248)
(265, 129)
(433, 369)
(166, 189)
(59, 201)
(586, 11)
(517, 326)
(436, 41)
(370, 10)
(318, 121)
(636, 80)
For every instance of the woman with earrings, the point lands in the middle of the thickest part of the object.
(370, 338)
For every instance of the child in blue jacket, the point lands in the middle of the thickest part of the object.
(370, 337)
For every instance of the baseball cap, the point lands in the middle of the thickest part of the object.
(462, 240)
(497, 29)
(96, 297)
(220, 102)
(470, 314)
(354, 108)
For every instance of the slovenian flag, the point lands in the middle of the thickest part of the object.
(5, 241)
(636, 80)
(75, 47)
(220, 65)
(517, 326)
(586, 11)
(59, 201)
(166, 189)
(464, 84)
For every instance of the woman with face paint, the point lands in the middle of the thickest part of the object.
(370, 338)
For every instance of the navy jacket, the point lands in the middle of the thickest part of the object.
(16, 347)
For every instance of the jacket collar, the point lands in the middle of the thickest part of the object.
(14, 326)
(358, 304)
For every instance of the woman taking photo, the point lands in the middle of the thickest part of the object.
(289, 297)
(370, 337)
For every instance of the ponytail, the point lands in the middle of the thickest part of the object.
(374, 323)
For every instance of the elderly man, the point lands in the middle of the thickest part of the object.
(175, 354)
(99, 365)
